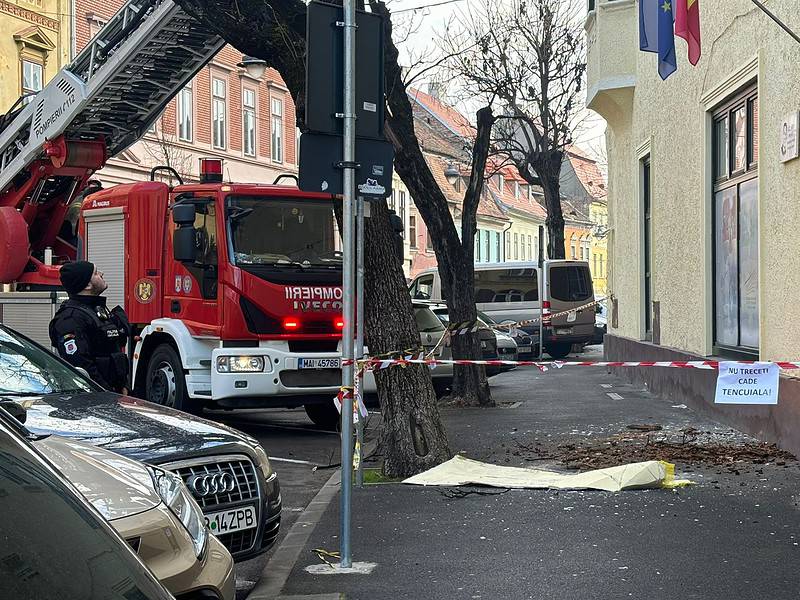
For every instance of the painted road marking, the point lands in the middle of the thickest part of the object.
(614, 396)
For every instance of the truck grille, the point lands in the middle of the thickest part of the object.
(244, 491)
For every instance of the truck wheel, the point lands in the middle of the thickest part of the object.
(165, 383)
(558, 350)
(324, 415)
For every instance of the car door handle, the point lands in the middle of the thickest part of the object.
(175, 306)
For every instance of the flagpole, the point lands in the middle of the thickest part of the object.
(775, 18)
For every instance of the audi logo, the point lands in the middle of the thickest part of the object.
(211, 484)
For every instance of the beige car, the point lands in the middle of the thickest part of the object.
(153, 511)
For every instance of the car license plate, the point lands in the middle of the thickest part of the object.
(524, 349)
(231, 520)
(319, 363)
(567, 331)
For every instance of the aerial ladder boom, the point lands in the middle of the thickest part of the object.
(94, 108)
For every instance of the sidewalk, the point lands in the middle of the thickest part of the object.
(734, 535)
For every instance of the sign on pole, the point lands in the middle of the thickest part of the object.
(752, 383)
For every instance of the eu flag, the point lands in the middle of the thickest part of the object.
(656, 33)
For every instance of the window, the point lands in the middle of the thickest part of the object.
(32, 75)
(478, 246)
(530, 248)
(428, 241)
(736, 232)
(508, 246)
(497, 249)
(422, 288)
(647, 237)
(602, 267)
(573, 247)
(204, 267)
(594, 266)
(506, 285)
(516, 246)
(185, 114)
(249, 121)
(402, 206)
(218, 112)
(570, 283)
(487, 245)
(277, 129)
(412, 230)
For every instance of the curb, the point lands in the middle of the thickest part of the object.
(276, 572)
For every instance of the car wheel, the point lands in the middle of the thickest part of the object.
(166, 384)
(324, 415)
(558, 350)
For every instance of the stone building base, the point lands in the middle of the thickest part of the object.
(695, 388)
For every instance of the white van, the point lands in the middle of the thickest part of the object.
(510, 292)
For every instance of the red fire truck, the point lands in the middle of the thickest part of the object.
(234, 290)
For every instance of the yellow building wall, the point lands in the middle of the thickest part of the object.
(522, 229)
(35, 30)
(598, 214)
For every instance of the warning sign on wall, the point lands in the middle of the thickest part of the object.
(754, 383)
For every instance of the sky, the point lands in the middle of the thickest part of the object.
(429, 20)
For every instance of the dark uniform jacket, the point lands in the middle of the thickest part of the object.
(89, 335)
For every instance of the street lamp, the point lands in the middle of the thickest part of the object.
(255, 67)
(451, 173)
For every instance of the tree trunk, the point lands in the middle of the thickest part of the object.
(549, 171)
(413, 436)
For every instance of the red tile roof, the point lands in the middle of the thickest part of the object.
(449, 116)
(588, 173)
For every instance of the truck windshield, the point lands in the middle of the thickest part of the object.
(281, 232)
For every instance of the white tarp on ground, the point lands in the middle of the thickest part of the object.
(464, 471)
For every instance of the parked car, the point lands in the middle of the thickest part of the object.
(227, 472)
(527, 345)
(493, 346)
(55, 544)
(510, 292)
(600, 324)
(151, 509)
(431, 331)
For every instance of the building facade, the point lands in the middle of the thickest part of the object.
(223, 112)
(35, 41)
(702, 199)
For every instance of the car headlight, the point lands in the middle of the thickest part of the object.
(263, 461)
(179, 500)
(240, 364)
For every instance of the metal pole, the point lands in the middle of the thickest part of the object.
(541, 292)
(359, 349)
(348, 290)
(775, 18)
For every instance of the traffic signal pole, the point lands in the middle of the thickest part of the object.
(348, 287)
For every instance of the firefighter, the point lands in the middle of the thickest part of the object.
(86, 333)
(69, 229)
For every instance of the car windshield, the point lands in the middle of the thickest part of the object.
(427, 322)
(282, 233)
(54, 545)
(486, 318)
(28, 370)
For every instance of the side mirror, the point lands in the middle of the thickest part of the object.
(183, 214)
(183, 244)
(15, 410)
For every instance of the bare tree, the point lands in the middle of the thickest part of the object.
(455, 255)
(162, 148)
(413, 436)
(529, 55)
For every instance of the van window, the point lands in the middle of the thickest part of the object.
(422, 289)
(570, 283)
(506, 285)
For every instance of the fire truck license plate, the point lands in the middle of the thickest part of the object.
(234, 519)
(319, 363)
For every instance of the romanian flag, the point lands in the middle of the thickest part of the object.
(687, 26)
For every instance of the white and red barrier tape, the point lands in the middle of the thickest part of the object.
(377, 363)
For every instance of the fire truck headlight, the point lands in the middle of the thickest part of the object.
(240, 364)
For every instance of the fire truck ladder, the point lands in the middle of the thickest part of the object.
(111, 93)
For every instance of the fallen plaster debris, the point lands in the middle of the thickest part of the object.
(464, 471)
(357, 568)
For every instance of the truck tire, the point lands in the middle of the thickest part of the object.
(558, 350)
(165, 382)
(324, 415)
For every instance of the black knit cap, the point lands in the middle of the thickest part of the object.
(75, 276)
